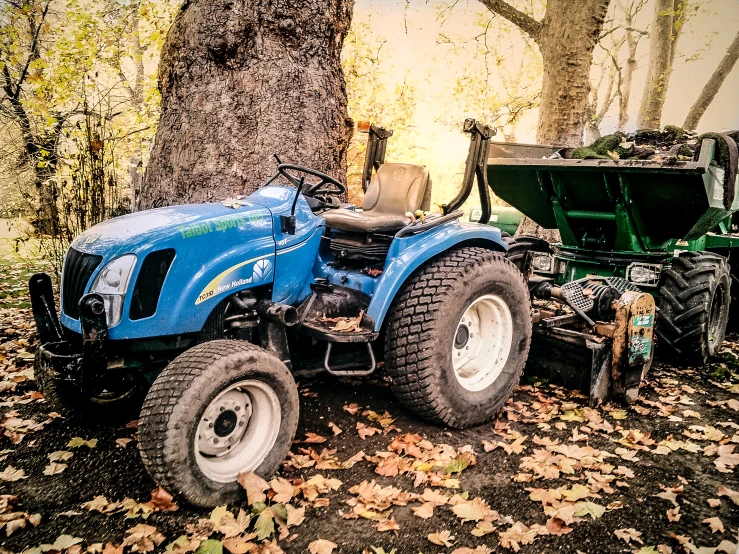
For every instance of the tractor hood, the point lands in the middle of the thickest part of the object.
(206, 251)
(175, 227)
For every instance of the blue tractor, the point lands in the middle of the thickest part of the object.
(209, 309)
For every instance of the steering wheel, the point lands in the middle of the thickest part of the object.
(327, 186)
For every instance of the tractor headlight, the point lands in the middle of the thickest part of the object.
(112, 284)
(645, 275)
(542, 262)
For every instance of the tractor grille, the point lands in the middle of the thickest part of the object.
(78, 268)
(149, 283)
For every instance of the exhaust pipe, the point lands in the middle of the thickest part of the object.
(287, 315)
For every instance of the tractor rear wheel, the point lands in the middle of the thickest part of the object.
(220, 409)
(458, 336)
(694, 307)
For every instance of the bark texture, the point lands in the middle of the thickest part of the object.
(241, 80)
(713, 85)
(664, 34)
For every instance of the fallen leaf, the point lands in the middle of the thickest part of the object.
(254, 486)
(352, 408)
(714, 502)
(77, 442)
(335, 428)
(60, 456)
(321, 546)
(283, 490)
(123, 442)
(442, 538)
(628, 535)
(54, 468)
(715, 523)
(12, 474)
(313, 438)
(388, 525)
(161, 501)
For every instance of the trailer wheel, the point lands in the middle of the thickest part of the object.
(519, 249)
(694, 307)
(222, 408)
(458, 336)
(118, 403)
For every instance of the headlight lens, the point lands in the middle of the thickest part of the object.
(646, 275)
(542, 261)
(112, 284)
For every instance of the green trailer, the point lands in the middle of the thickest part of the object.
(626, 226)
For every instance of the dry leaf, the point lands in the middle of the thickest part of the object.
(628, 535)
(321, 546)
(335, 428)
(283, 490)
(254, 486)
(388, 525)
(161, 501)
(442, 538)
(54, 468)
(313, 438)
(715, 523)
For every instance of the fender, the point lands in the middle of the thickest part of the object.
(409, 253)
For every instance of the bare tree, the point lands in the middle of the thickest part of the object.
(241, 80)
(26, 23)
(566, 37)
(666, 28)
(713, 85)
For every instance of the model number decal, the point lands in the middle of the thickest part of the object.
(225, 281)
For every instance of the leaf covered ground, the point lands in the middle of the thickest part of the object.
(548, 475)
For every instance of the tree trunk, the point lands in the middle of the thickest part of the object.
(569, 32)
(665, 32)
(566, 38)
(240, 81)
(625, 98)
(713, 85)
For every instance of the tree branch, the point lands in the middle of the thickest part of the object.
(523, 21)
(33, 53)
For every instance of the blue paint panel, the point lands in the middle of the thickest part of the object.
(293, 269)
(409, 253)
(208, 239)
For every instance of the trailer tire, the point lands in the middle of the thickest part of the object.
(519, 249)
(68, 400)
(423, 337)
(694, 308)
(250, 388)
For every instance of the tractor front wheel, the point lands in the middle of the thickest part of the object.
(220, 409)
(458, 336)
(694, 307)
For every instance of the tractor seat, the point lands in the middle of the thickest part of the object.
(395, 189)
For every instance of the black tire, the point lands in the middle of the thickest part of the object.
(422, 325)
(694, 308)
(178, 399)
(68, 400)
(519, 249)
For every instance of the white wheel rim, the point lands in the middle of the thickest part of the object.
(237, 430)
(482, 342)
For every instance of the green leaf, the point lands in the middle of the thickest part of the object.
(280, 512)
(456, 466)
(211, 546)
(182, 540)
(265, 525)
